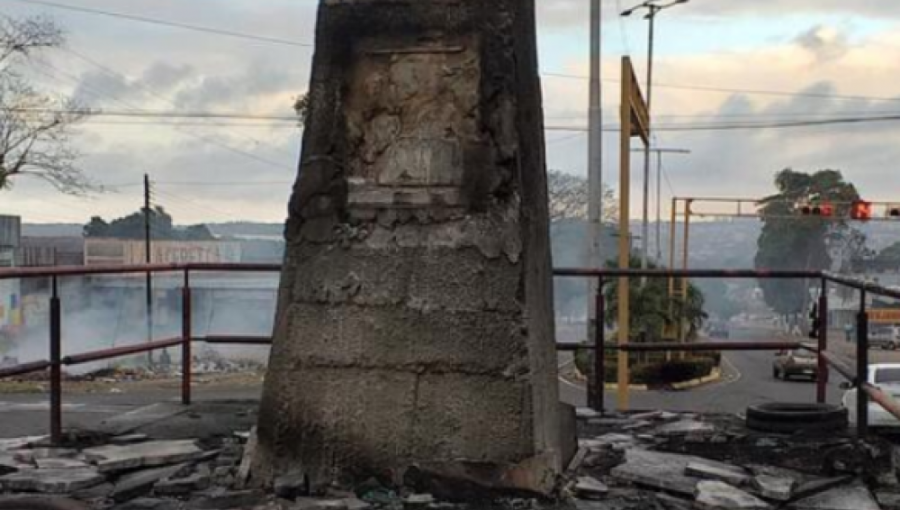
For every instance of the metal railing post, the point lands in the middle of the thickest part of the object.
(186, 338)
(596, 385)
(822, 372)
(862, 367)
(55, 364)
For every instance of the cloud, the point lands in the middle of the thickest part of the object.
(824, 42)
(233, 91)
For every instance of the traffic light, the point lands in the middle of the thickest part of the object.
(824, 210)
(861, 210)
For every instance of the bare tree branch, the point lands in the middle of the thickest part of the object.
(21, 37)
(35, 128)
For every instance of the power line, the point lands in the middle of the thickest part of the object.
(728, 90)
(192, 134)
(662, 127)
(153, 93)
(169, 23)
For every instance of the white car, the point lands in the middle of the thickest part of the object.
(885, 376)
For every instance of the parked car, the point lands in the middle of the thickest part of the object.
(885, 376)
(884, 337)
(795, 363)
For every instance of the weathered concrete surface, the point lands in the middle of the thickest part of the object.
(847, 497)
(51, 481)
(415, 312)
(721, 496)
(153, 453)
(665, 471)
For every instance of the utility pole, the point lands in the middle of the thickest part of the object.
(653, 7)
(148, 259)
(595, 164)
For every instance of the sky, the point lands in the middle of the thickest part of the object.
(717, 62)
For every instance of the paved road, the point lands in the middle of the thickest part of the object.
(28, 414)
(748, 380)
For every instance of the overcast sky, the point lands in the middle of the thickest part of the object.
(816, 49)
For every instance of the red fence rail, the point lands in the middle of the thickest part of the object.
(595, 386)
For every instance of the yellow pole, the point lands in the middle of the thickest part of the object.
(686, 252)
(624, 318)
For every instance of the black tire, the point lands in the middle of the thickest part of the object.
(789, 418)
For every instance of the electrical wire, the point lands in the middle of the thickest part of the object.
(168, 23)
(729, 90)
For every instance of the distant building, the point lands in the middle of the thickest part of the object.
(10, 237)
(10, 295)
(118, 252)
(50, 251)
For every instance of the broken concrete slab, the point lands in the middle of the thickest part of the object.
(685, 428)
(52, 453)
(855, 496)
(721, 496)
(888, 500)
(51, 463)
(51, 481)
(154, 453)
(219, 498)
(149, 504)
(243, 473)
(141, 482)
(778, 488)
(664, 471)
(181, 486)
(723, 473)
(588, 487)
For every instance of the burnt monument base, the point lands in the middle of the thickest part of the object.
(414, 335)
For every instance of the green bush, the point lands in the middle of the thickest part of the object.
(655, 373)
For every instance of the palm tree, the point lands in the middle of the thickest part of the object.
(652, 308)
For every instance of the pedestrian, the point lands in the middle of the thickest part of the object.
(848, 332)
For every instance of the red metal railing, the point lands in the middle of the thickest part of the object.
(599, 345)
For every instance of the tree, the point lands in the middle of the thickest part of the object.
(790, 241)
(35, 128)
(651, 308)
(301, 107)
(132, 227)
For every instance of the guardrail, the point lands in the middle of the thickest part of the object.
(595, 386)
(825, 360)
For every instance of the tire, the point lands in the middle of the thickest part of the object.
(789, 418)
(775, 373)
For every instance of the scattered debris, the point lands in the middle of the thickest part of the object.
(721, 496)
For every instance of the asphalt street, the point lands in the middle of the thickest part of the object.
(748, 380)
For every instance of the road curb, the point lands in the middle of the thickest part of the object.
(714, 376)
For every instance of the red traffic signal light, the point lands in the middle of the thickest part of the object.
(861, 210)
(825, 210)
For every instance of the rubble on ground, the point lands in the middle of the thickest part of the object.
(669, 462)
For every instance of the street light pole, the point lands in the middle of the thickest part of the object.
(654, 8)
